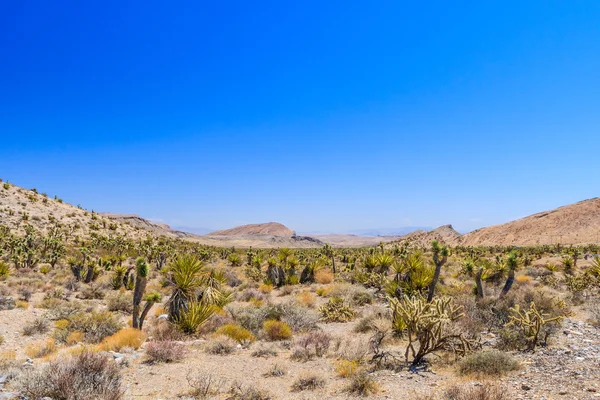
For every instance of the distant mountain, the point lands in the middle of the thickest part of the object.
(401, 231)
(269, 228)
(194, 230)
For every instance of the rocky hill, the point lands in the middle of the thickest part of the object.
(577, 223)
(444, 234)
(19, 206)
(269, 228)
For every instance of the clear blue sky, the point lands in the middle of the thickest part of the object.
(323, 115)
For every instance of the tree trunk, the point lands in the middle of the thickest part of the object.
(479, 284)
(508, 284)
(147, 308)
(140, 287)
(436, 278)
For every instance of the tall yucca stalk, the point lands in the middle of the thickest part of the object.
(186, 275)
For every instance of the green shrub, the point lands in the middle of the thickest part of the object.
(336, 310)
(488, 362)
(236, 333)
(276, 330)
(95, 325)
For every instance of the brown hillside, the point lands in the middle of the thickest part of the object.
(269, 228)
(577, 223)
(444, 234)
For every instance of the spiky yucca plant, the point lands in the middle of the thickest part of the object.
(186, 275)
(196, 314)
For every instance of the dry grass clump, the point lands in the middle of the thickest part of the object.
(265, 289)
(221, 345)
(163, 330)
(239, 391)
(125, 338)
(120, 301)
(308, 382)
(165, 351)
(237, 333)
(40, 349)
(346, 368)
(74, 338)
(362, 384)
(485, 392)
(307, 299)
(86, 376)
(264, 351)
(95, 325)
(37, 326)
(203, 385)
(488, 362)
(276, 330)
(274, 371)
(324, 276)
(311, 345)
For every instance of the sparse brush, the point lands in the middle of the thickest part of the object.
(87, 375)
(346, 368)
(311, 345)
(165, 351)
(95, 325)
(203, 385)
(308, 382)
(40, 349)
(221, 345)
(274, 371)
(362, 384)
(37, 326)
(264, 352)
(488, 362)
(239, 391)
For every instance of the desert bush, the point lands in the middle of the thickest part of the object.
(276, 330)
(237, 333)
(221, 345)
(38, 325)
(128, 337)
(274, 371)
(594, 310)
(336, 310)
(85, 376)
(61, 309)
(40, 349)
(163, 330)
(25, 293)
(95, 325)
(250, 294)
(91, 292)
(239, 391)
(324, 276)
(484, 392)
(311, 345)
(74, 338)
(203, 385)
(165, 351)
(307, 299)
(488, 362)
(264, 352)
(352, 349)
(308, 382)
(300, 319)
(4, 270)
(362, 384)
(120, 301)
(346, 368)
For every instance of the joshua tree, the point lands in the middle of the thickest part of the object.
(141, 278)
(186, 276)
(329, 252)
(440, 256)
(512, 263)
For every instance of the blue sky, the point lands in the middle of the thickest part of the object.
(325, 116)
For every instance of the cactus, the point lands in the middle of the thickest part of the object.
(426, 326)
(530, 322)
(335, 310)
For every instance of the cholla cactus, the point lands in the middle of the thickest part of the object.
(426, 325)
(531, 323)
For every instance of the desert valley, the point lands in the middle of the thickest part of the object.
(107, 306)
